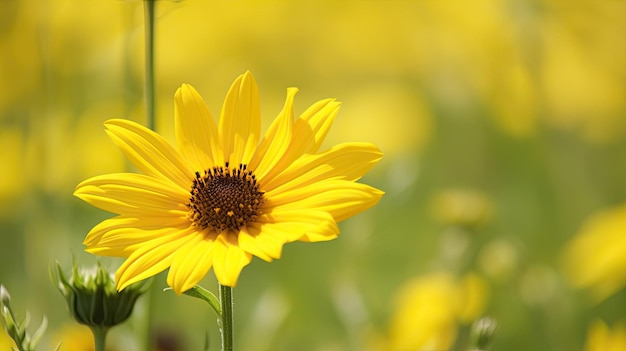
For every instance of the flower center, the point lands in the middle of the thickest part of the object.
(224, 199)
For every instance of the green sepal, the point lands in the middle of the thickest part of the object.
(36, 338)
(92, 296)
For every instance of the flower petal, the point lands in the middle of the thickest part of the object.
(262, 244)
(303, 225)
(228, 259)
(311, 128)
(149, 259)
(149, 152)
(130, 193)
(240, 122)
(349, 161)
(191, 263)
(340, 198)
(196, 131)
(265, 237)
(275, 142)
(293, 223)
(121, 235)
(125, 245)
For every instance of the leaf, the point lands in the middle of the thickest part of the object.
(39, 333)
(205, 295)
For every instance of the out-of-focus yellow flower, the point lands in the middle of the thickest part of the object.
(602, 338)
(58, 40)
(6, 343)
(73, 337)
(560, 66)
(429, 309)
(409, 130)
(595, 258)
(514, 98)
(462, 207)
(20, 62)
(582, 70)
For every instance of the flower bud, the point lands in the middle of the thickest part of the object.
(482, 333)
(92, 296)
(5, 298)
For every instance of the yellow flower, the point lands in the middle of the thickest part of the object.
(595, 258)
(6, 343)
(430, 308)
(226, 193)
(462, 207)
(73, 337)
(601, 338)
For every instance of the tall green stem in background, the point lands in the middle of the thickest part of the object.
(149, 84)
(149, 9)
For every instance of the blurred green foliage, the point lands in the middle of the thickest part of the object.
(521, 102)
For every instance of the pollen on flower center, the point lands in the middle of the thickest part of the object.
(224, 199)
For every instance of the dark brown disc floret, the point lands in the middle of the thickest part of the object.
(224, 198)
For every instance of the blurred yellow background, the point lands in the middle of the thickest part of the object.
(503, 124)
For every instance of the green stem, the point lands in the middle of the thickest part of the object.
(149, 84)
(99, 338)
(226, 302)
(149, 19)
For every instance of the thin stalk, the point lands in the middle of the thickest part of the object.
(226, 302)
(149, 6)
(99, 338)
(149, 20)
